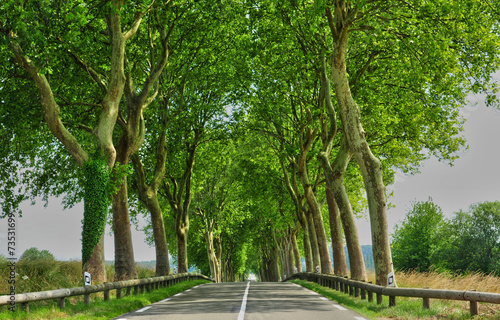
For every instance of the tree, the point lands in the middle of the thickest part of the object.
(33, 254)
(470, 240)
(40, 43)
(413, 238)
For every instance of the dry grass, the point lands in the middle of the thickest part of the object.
(478, 281)
(448, 281)
(50, 275)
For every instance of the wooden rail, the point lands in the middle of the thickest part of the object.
(139, 285)
(365, 290)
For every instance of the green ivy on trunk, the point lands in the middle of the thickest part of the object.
(96, 184)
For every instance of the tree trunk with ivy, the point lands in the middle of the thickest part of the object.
(96, 190)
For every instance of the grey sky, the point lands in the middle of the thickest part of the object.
(474, 177)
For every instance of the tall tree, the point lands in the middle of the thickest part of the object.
(54, 31)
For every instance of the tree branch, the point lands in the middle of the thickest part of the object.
(49, 105)
(137, 21)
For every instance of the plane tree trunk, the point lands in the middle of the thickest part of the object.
(371, 169)
(179, 198)
(339, 259)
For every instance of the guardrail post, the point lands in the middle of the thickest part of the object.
(474, 307)
(106, 295)
(370, 294)
(363, 292)
(426, 301)
(379, 296)
(143, 288)
(392, 301)
(351, 290)
(61, 302)
(118, 293)
(356, 292)
(129, 289)
(86, 298)
(25, 306)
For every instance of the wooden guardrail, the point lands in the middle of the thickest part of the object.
(139, 285)
(365, 290)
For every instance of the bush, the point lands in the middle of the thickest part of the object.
(33, 254)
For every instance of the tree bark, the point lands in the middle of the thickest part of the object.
(182, 260)
(180, 201)
(339, 259)
(148, 195)
(335, 180)
(96, 264)
(289, 254)
(296, 252)
(313, 240)
(161, 246)
(308, 249)
(124, 252)
(293, 190)
(370, 166)
(212, 258)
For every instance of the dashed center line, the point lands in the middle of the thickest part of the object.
(323, 298)
(165, 300)
(143, 309)
(176, 295)
(359, 318)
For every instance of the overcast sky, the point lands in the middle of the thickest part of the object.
(474, 177)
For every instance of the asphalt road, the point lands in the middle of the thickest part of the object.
(244, 301)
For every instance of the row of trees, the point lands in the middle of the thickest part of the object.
(248, 127)
(468, 241)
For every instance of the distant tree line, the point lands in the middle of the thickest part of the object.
(468, 241)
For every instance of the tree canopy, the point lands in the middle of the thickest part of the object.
(242, 129)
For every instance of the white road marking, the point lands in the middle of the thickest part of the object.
(339, 307)
(165, 300)
(241, 316)
(323, 298)
(188, 290)
(312, 292)
(144, 309)
(176, 295)
(359, 318)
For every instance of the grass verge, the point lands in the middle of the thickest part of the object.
(98, 309)
(406, 308)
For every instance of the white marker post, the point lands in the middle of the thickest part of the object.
(390, 279)
(87, 279)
